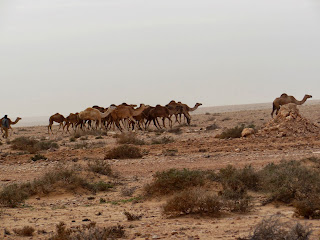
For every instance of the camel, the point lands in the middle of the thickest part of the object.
(285, 99)
(159, 111)
(56, 118)
(10, 123)
(123, 112)
(73, 120)
(185, 109)
(94, 115)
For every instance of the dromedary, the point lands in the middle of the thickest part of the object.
(10, 123)
(94, 115)
(124, 112)
(56, 118)
(185, 109)
(285, 99)
(73, 120)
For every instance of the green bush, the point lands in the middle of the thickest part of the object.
(174, 180)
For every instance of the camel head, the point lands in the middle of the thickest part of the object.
(307, 96)
(198, 104)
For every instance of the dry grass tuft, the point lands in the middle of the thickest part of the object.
(25, 231)
(124, 152)
(32, 145)
(129, 138)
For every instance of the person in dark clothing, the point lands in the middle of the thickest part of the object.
(5, 124)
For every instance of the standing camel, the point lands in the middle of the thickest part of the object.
(285, 99)
(10, 123)
(56, 118)
(94, 115)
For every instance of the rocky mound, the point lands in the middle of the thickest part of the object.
(289, 122)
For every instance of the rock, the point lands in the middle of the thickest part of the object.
(247, 132)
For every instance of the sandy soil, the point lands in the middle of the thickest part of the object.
(196, 149)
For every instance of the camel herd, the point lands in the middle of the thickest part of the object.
(124, 116)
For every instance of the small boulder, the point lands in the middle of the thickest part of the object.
(247, 132)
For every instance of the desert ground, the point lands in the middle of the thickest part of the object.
(195, 148)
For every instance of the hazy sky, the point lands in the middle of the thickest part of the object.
(65, 55)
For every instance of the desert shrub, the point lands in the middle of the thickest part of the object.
(25, 231)
(132, 217)
(100, 166)
(129, 138)
(170, 152)
(163, 140)
(37, 157)
(100, 186)
(174, 180)
(69, 179)
(175, 130)
(81, 145)
(230, 177)
(289, 181)
(12, 195)
(272, 228)
(193, 201)
(87, 232)
(72, 139)
(212, 127)
(127, 191)
(32, 145)
(44, 145)
(308, 207)
(124, 152)
(231, 132)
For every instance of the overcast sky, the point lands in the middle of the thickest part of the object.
(65, 55)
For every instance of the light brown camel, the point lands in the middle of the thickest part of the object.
(285, 99)
(94, 115)
(56, 118)
(125, 112)
(10, 123)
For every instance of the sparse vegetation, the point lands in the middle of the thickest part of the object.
(231, 132)
(193, 201)
(24, 232)
(174, 180)
(124, 152)
(272, 228)
(87, 232)
(32, 145)
(66, 178)
(163, 140)
(170, 152)
(175, 130)
(37, 157)
(100, 166)
(132, 217)
(212, 127)
(129, 138)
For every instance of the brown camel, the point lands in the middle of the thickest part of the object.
(125, 112)
(73, 120)
(185, 109)
(159, 111)
(285, 99)
(10, 123)
(56, 118)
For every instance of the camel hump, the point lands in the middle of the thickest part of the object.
(284, 95)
